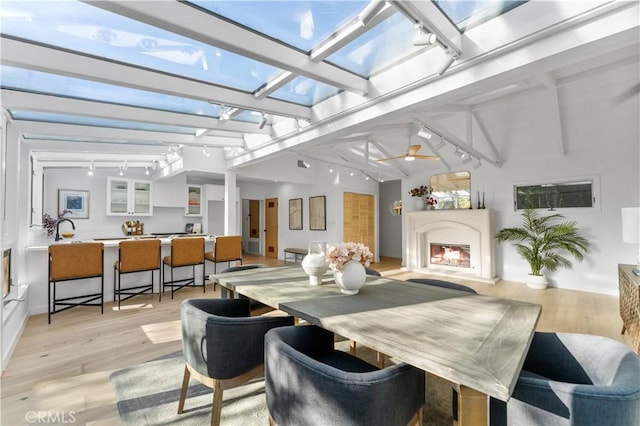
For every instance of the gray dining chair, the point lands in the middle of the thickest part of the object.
(372, 272)
(573, 379)
(308, 382)
(442, 284)
(255, 305)
(223, 345)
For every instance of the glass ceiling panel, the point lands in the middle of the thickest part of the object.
(301, 24)
(467, 14)
(385, 44)
(83, 28)
(304, 91)
(53, 84)
(97, 122)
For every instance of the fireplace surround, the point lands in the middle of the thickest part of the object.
(470, 230)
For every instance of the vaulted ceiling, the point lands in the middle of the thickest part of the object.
(340, 83)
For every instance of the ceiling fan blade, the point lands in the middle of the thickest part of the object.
(392, 158)
(426, 157)
(413, 149)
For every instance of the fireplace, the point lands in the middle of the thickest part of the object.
(456, 255)
(454, 243)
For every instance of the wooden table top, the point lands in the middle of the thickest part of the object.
(473, 340)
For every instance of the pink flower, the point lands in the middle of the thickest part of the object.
(339, 254)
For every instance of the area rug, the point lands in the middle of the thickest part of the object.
(148, 393)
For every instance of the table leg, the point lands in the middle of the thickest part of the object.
(472, 407)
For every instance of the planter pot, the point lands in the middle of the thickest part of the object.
(539, 282)
(351, 278)
(419, 203)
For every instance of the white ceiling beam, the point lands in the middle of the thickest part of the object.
(492, 146)
(41, 58)
(207, 28)
(556, 114)
(38, 130)
(16, 100)
(274, 84)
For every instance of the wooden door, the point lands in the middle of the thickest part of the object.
(271, 228)
(358, 219)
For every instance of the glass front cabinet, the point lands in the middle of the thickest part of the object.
(128, 197)
(194, 200)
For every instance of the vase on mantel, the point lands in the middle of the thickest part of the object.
(351, 278)
(419, 203)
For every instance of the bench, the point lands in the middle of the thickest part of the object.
(296, 252)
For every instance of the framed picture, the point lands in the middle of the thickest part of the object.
(317, 213)
(76, 201)
(295, 214)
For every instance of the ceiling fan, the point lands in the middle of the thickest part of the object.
(412, 155)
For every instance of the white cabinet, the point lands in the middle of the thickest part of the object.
(128, 197)
(215, 192)
(194, 200)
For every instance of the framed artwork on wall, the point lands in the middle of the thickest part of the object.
(295, 214)
(317, 213)
(75, 201)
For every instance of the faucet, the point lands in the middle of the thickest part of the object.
(58, 227)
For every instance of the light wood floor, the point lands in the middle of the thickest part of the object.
(63, 368)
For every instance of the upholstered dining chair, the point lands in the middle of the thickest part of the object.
(226, 248)
(136, 256)
(75, 261)
(372, 272)
(255, 305)
(572, 379)
(185, 252)
(442, 284)
(308, 382)
(223, 346)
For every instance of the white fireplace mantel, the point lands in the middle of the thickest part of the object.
(469, 227)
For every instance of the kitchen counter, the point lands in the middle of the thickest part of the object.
(37, 266)
(113, 241)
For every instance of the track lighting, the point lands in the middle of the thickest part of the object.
(478, 164)
(423, 37)
(146, 170)
(330, 169)
(91, 168)
(205, 152)
(370, 11)
(121, 172)
(304, 164)
(263, 121)
(424, 133)
(350, 172)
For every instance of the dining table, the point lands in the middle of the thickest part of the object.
(477, 342)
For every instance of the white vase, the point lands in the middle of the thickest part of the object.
(351, 278)
(315, 263)
(419, 203)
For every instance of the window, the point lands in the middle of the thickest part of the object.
(559, 194)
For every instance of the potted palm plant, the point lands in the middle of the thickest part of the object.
(542, 242)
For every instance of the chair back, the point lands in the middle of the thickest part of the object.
(75, 260)
(187, 251)
(228, 247)
(139, 255)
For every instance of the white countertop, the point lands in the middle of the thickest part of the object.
(43, 245)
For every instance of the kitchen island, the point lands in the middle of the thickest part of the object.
(37, 258)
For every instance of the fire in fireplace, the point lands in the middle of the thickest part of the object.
(457, 255)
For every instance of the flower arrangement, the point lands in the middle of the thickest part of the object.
(420, 191)
(49, 223)
(339, 254)
(431, 201)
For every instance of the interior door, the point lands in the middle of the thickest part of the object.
(358, 219)
(271, 228)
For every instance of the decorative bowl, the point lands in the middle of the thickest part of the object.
(68, 234)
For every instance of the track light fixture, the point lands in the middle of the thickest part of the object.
(330, 169)
(92, 167)
(423, 37)
(424, 133)
(370, 11)
(263, 121)
(351, 172)
(120, 172)
(146, 170)
(306, 164)
(205, 152)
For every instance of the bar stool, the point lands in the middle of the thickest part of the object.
(75, 261)
(185, 251)
(226, 248)
(135, 256)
